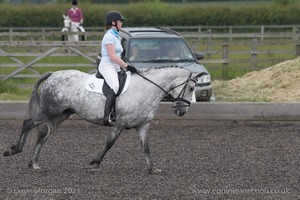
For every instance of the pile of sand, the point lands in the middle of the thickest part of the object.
(280, 83)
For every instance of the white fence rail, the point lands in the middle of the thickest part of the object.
(201, 32)
(219, 43)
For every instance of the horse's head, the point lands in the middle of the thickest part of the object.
(183, 93)
(67, 22)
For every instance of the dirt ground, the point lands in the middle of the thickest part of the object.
(207, 161)
(278, 83)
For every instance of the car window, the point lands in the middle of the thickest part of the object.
(158, 49)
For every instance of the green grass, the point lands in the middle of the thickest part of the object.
(240, 51)
(13, 93)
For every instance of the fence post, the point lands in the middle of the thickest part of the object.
(199, 33)
(254, 54)
(43, 34)
(262, 32)
(297, 49)
(295, 30)
(209, 31)
(225, 62)
(10, 35)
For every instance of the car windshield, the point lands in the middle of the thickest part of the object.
(159, 50)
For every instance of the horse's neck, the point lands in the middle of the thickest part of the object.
(67, 24)
(164, 77)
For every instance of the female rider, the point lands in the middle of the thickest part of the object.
(111, 62)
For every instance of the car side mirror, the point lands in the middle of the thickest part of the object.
(199, 56)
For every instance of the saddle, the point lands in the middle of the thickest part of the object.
(122, 79)
(96, 83)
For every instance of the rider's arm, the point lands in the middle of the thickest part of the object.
(81, 17)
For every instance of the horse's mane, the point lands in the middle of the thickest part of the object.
(171, 66)
(153, 70)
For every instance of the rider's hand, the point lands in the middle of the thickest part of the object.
(132, 69)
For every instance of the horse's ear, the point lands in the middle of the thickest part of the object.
(201, 74)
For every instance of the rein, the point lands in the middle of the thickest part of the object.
(180, 96)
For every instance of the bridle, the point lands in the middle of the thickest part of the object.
(180, 97)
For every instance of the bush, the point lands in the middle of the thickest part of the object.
(154, 14)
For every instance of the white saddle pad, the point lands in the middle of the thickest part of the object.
(94, 84)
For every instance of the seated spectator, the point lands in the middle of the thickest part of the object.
(135, 50)
(171, 55)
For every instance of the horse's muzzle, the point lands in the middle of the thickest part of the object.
(181, 107)
(179, 112)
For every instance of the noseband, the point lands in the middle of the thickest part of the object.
(180, 96)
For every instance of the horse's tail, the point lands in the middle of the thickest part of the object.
(34, 104)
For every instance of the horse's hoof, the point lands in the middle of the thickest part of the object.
(96, 165)
(36, 167)
(7, 152)
(92, 162)
(95, 169)
(155, 171)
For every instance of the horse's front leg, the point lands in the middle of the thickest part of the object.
(143, 132)
(109, 143)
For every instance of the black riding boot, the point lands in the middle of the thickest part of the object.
(109, 106)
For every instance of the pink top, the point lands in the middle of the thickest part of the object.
(75, 14)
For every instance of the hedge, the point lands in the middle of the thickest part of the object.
(153, 14)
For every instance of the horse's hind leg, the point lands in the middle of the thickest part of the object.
(143, 132)
(28, 125)
(109, 143)
(49, 127)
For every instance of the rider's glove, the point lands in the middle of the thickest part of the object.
(132, 69)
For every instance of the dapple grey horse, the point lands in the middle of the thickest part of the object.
(63, 93)
(69, 26)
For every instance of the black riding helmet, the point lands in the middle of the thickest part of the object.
(113, 16)
(74, 3)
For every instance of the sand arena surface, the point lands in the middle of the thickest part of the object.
(206, 161)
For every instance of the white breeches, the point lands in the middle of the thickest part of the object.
(110, 74)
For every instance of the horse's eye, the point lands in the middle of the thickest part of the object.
(192, 88)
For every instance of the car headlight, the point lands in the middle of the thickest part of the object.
(204, 79)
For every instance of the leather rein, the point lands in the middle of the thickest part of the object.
(180, 96)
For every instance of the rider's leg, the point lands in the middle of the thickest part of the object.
(110, 101)
(113, 114)
(110, 75)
